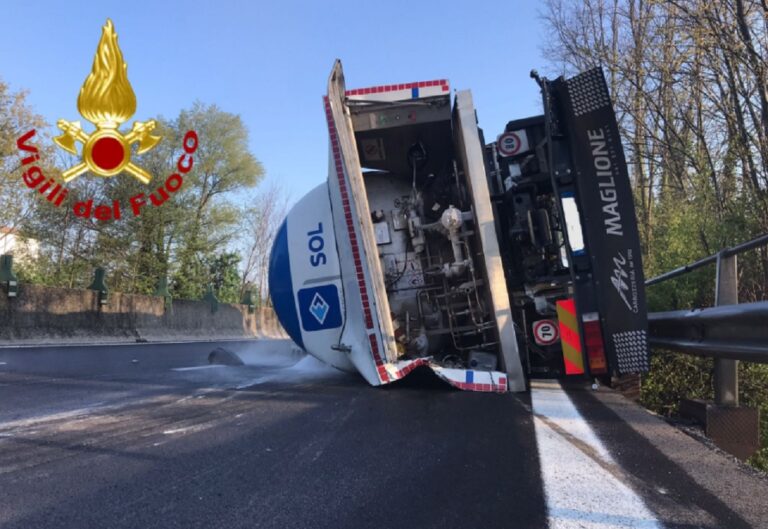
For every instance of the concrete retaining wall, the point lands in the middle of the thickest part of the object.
(58, 315)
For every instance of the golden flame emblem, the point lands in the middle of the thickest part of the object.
(106, 95)
(107, 100)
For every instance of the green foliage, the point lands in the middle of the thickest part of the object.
(219, 270)
(684, 91)
(16, 118)
(190, 279)
(183, 239)
(753, 392)
(674, 377)
(687, 228)
(225, 276)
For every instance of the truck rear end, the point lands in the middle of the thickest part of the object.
(427, 248)
(566, 221)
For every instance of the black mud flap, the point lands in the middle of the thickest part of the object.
(604, 196)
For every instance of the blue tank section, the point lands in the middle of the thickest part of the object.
(281, 285)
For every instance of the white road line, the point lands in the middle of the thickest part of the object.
(582, 483)
(196, 368)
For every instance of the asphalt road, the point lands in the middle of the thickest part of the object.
(147, 435)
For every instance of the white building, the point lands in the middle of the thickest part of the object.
(21, 248)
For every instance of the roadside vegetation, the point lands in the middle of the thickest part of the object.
(216, 230)
(689, 80)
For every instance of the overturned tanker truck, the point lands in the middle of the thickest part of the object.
(487, 263)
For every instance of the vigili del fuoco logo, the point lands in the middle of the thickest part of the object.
(106, 100)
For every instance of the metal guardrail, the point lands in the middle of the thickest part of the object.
(728, 332)
(728, 252)
(734, 332)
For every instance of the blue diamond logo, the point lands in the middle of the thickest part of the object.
(319, 308)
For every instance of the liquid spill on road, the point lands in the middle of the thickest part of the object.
(278, 361)
(270, 353)
(584, 486)
(307, 369)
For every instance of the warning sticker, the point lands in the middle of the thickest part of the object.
(545, 332)
(373, 150)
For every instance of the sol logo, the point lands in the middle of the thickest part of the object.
(107, 100)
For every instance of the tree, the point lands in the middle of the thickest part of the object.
(260, 222)
(223, 166)
(689, 80)
(224, 276)
(16, 118)
(179, 239)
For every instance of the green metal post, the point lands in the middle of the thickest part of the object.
(162, 290)
(99, 285)
(248, 300)
(211, 298)
(7, 277)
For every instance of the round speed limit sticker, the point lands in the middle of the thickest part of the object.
(545, 332)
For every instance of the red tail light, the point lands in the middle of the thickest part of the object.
(593, 339)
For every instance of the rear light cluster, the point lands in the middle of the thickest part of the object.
(593, 340)
(570, 340)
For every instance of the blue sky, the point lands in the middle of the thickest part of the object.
(269, 61)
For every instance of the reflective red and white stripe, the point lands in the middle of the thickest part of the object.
(406, 366)
(466, 379)
(399, 92)
(356, 254)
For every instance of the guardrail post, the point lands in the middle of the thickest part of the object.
(727, 293)
(162, 291)
(735, 332)
(7, 278)
(248, 301)
(211, 299)
(99, 285)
